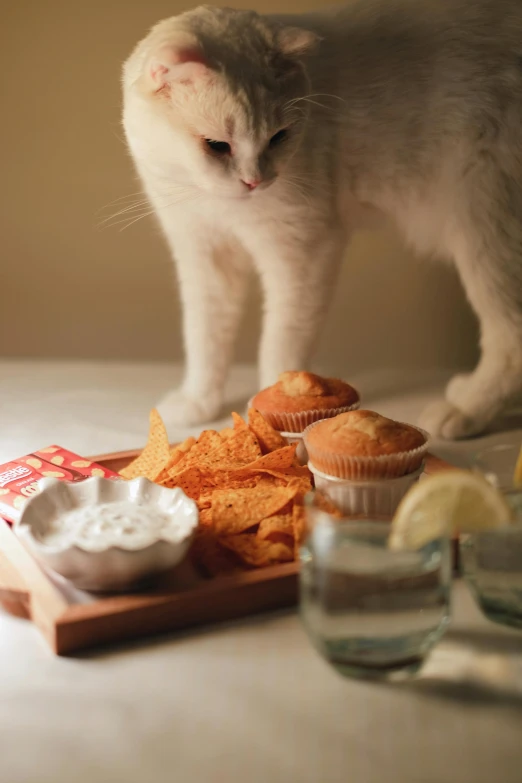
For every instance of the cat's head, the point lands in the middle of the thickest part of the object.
(213, 99)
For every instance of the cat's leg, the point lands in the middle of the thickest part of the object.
(213, 279)
(298, 278)
(490, 265)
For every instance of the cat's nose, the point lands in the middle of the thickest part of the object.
(252, 184)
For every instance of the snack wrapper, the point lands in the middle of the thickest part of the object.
(19, 478)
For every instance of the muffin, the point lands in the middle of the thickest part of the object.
(365, 462)
(364, 445)
(301, 398)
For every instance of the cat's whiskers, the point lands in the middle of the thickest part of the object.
(294, 115)
(293, 101)
(122, 198)
(316, 103)
(129, 221)
(297, 189)
(306, 179)
(132, 208)
(171, 187)
(293, 104)
(145, 205)
(309, 183)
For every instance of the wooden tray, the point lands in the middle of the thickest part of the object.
(71, 619)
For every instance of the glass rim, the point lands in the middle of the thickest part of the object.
(372, 520)
(384, 519)
(480, 458)
(497, 465)
(497, 447)
(512, 491)
(503, 530)
(346, 526)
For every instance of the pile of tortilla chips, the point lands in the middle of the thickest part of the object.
(247, 484)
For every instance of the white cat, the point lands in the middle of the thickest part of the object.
(263, 141)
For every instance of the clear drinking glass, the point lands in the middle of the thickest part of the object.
(370, 611)
(492, 567)
(497, 464)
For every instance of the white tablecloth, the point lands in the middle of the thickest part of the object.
(249, 701)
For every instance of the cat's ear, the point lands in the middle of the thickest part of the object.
(295, 42)
(178, 61)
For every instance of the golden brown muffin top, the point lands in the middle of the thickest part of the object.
(364, 434)
(304, 391)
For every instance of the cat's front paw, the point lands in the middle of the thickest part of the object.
(458, 389)
(179, 409)
(443, 420)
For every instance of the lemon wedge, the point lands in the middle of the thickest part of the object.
(447, 503)
(517, 477)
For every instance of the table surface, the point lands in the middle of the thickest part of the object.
(252, 700)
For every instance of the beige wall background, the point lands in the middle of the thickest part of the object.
(73, 289)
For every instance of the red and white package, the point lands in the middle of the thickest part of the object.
(19, 478)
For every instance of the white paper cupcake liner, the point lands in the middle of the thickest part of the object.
(298, 422)
(385, 466)
(379, 497)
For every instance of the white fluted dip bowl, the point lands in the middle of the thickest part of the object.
(104, 566)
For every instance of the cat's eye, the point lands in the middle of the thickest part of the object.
(219, 147)
(279, 137)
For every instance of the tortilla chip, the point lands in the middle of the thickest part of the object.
(205, 517)
(234, 511)
(255, 552)
(188, 480)
(227, 479)
(272, 479)
(304, 483)
(323, 502)
(269, 438)
(299, 525)
(244, 478)
(240, 424)
(208, 443)
(210, 557)
(300, 472)
(154, 456)
(282, 459)
(212, 480)
(242, 444)
(283, 478)
(176, 455)
(212, 451)
(205, 501)
(273, 528)
(179, 451)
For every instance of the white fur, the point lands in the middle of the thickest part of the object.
(363, 133)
